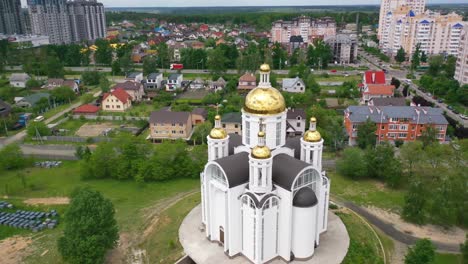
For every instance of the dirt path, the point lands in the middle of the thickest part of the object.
(48, 201)
(128, 250)
(13, 249)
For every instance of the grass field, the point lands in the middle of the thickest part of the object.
(364, 247)
(447, 259)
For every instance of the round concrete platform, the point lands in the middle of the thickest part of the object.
(333, 244)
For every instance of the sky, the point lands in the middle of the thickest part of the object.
(183, 3)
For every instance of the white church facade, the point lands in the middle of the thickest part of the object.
(264, 195)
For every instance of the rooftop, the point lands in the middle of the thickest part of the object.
(414, 114)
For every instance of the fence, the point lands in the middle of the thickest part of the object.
(73, 139)
(110, 118)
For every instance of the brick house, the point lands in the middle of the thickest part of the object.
(232, 123)
(116, 101)
(166, 124)
(405, 123)
(372, 91)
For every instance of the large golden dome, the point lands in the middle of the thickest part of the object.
(264, 101)
(218, 132)
(265, 68)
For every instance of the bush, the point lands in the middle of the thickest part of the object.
(13, 158)
(352, 164)
(423, 252)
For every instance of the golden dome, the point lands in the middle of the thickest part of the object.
(313, 119)
(265, 68)
(217, 117)
(312, 136)
(218, 133)
(264, 101)
(261, 152)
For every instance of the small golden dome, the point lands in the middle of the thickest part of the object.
(261, 134)
(264, 101)
(313, 119)
(261, 152)
(265, 68)
(312, 136)
(217, 117)
(218, 133)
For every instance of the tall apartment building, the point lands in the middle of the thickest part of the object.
(461, 71)
(436, 33)
(66, 22)
(306, 27)
(344, 48)
(50, 18)
(10, 14)
(87, 20)
(388, 6)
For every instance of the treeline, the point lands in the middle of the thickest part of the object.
(131, 158)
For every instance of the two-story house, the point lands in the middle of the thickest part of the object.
(199, 115)
(134, 89)
(19, 79)
(296, 121)
(217, 85)
(405, 123)
(118, 100)
(134, 76)
(53, 83)
(232, 123)
(196, 84)
(293, 85)
(247, 82)
(372, 91)
(153, 81)
(166, 124)
(174, 82)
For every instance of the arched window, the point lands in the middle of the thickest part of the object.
(217, 174)
(309, 178)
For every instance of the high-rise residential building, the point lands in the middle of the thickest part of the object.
(10, 13)
(388, 6)
(87, 20)
(344, 48)
(309, 29)
(50, 18)
(461, 71)
(66, 22)
(434, 32)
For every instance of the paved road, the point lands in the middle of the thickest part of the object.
(64, 152)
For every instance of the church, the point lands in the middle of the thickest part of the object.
(264, 195)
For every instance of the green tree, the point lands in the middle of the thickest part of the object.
(90, 77)
(104, 83)
(33, 83)
(54, 68)
(201, 131)
(319, 54)
(395, 82)
(150, 65)
(401, 55)
(416, 58)
(38, 128)
(366, 134)
(436, 64)
(382, 164)
(423, 252)
(464, 251)
(217, 61)
(12, 158)
(352, 164)
(164, 57)
(90, 228)
(415, 202)
(410, 154)
(115, 67)
(126, 63)
(450, 65)
(103, 54)
(312, 85)
(423, 57)
(63, 94)
(428, 136)
(279, 56)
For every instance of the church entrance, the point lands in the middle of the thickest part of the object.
(221, 235)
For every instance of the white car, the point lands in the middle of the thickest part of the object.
(39, 119)
(463, 116)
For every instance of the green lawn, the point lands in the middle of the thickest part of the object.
(337, 78)
(366, 192)
(128, 197)
(364, 247)
(442, 258)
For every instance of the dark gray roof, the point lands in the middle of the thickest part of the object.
(285, 170)
(5, 108)
(166, 117)
(174, 76)
(200, 111)
(234, 141)
(295, 112)
(294, 143)
(382, 114)
(153, 76)
(304, 198)
(34, 98)
(231, 118)
(133, 74)
(396, 101)
(128, 85)
(236, 168)
(259, 204)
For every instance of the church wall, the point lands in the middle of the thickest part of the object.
(235, 220)
(251, 125)
(285, 218)
(303, 231)
(248, 231)
(269, 236)
(218, 211)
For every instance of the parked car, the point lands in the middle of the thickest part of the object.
(464, 116)
(450, 107)
(39, 119)
(333, 71)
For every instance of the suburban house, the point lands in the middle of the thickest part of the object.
(117, 100)
(5, 109)
(87, 109)
(247, 82)
(199, 115)
(166, 124)
(293, 85)
(19, 79)
(198, 83)
(31, 100)
(153, 81)
(377, 91)
(390, 101)
(232, 123)
(374, 77)
(134, 89)
(405, 123)
(54, 83)
(174, 82)
(296, 121)
(134, 76)
(217, 85)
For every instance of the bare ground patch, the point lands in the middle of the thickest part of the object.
(453, 235)
(93, 130)
(13, 249)
(47, 201)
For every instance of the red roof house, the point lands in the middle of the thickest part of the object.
(117, 101)
(86, 109)
(374, 77)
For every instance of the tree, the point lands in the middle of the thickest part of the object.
(54, 68)
(436, 64)
(150, 65)
(201, 131)
(312, 85)
(103, 54)
(423, 252)
(116, 68)
(415, 202)
(164, 57)
(401, 55)
(428, 136)
(38, 129)
(366, 134)
(90, 228)
(352, 164)
(410, 155)
(450, 65)
(279, 56)
(90, 77)
(416, 58)
(464, 251)
(216, 61)
(126, 63)
(12, 158)
(382, 164)
(63, 94)
(319, 54)
(104, 83)
(395, 82)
